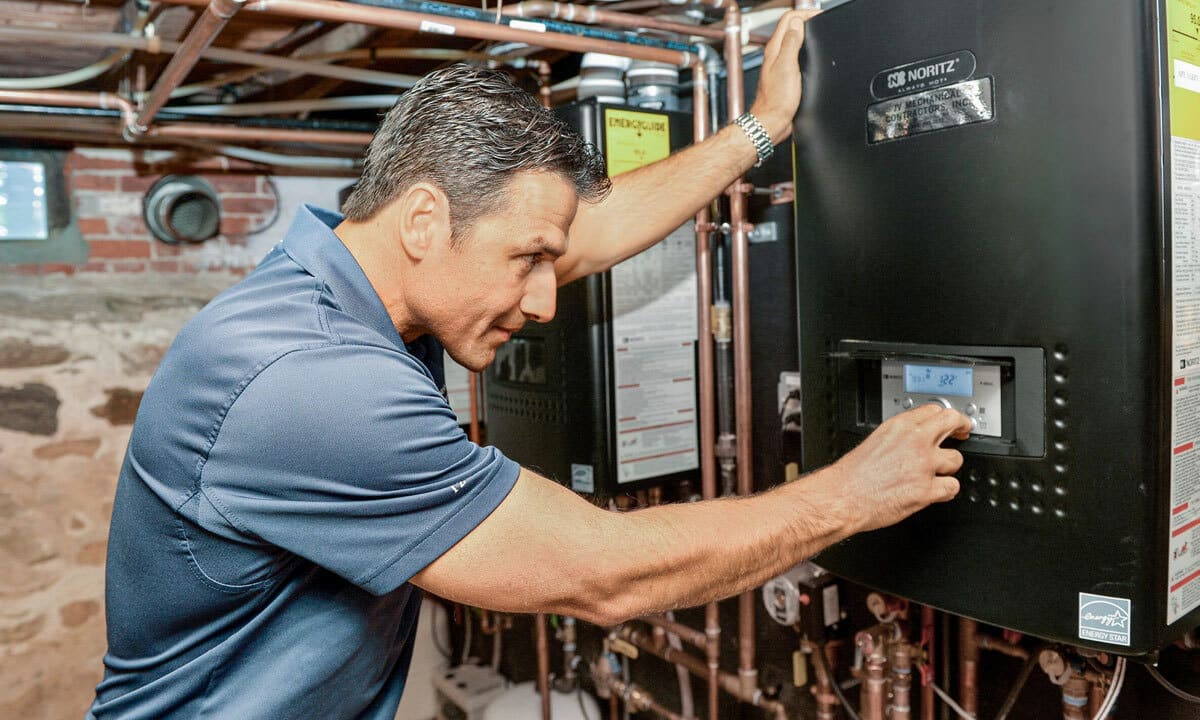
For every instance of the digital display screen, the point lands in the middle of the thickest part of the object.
(939, 380)
(23, 213)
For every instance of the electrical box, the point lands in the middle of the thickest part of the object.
(998, 210)
(603, 398)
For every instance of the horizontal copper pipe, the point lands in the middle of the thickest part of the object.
(71, 98)
(697, 638)
(420, 22)
(729, 683)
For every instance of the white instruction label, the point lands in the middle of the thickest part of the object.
(654, 337)
(437, 28)
(1183, 568)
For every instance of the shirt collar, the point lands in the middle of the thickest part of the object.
(312, 243)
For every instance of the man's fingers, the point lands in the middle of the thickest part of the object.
(950, 423)
(948, 461)
(789, 28)
(948, 487)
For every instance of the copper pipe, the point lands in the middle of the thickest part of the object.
(822, 690)
(543, 662)
(741, 335)
(705, 374)
(902, 667)
(591, 15)
(928, 639)
(694, 637)
(259, 61)
(968, 664)
(1075, 698)
(730, 683)
(203, 32)
(614, 712)
(639, 698)
(71, 98)
(422, 22)
(872, 644)
(995, 644)
(1096, 694)
(543, 75)
(473, 389)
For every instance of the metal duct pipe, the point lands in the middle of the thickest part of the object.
(439, 18)
(201, 36)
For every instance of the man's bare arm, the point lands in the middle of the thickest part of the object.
(648, 203)
(544, 549)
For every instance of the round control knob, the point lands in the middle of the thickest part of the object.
(974, 424)
(939, 401)
(971, 409)
(907, 404)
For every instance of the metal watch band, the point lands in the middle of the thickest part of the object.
(758, 135)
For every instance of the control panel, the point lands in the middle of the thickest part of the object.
(973, 390)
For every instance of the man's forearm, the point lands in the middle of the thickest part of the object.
(647, 204)
(698, 552)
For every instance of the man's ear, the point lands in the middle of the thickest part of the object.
(423, 215)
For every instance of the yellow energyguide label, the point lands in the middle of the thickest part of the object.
(1183, 67)
(633, 139)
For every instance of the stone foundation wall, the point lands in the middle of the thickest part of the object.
(75, 356)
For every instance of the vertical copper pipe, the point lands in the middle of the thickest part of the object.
(704, 374)
(543, 71)
(614, 711)
(473, 389)
(201, 36)
(902, 666)
(822, 690)
(741, 333)
(874, 687)
(968, 664)
(1096, 694)
(543, 661)
(1075, 698)
(928, 638)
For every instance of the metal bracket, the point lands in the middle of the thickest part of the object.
(764, 232)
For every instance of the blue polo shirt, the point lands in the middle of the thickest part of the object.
(292, 465)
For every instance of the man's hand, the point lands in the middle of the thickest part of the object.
(901, 467)
(779, 84)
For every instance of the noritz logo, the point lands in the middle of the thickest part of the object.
(1105, 619)
(924, 74)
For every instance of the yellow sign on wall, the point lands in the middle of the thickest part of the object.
(633, 139)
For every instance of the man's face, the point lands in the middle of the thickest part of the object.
(500, 272)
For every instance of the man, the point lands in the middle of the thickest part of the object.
(294, 474)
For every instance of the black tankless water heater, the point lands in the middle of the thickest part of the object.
(998, 210)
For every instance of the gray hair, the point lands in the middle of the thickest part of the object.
(468, 131)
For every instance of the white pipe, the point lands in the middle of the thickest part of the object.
(348, 102)
(78, 75)
(281, 160)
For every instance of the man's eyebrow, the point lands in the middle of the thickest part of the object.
(540, 245)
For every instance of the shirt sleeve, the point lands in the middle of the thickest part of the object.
(350, 457)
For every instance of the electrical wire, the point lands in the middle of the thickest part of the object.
(274, 216)
(819, 658)
(1171, 688)
(950, 701)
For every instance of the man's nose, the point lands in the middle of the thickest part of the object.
(541, 293)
